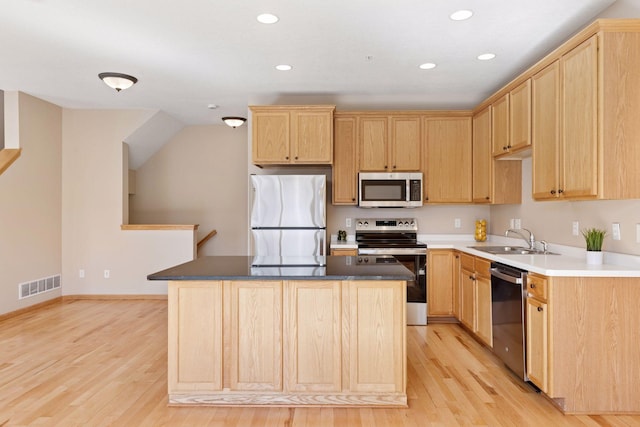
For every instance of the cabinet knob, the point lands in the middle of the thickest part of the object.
(385, 166)
(533, 285)
(539, 308)
(296, 157)
(426, 199)
(487, 198)
(560, 191)
(394, 166)
(472, 278)
(504, 148)
(553, 191)
(286, 158)
(353, 199)
(509, 146)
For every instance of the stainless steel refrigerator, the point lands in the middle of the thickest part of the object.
(288, 220)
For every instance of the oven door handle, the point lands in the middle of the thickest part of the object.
(506, 277)
(395, 251)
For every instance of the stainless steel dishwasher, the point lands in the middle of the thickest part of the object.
(508, 292)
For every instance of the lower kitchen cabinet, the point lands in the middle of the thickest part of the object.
(440, 282)
(344, 252)
(475, 297)
(298, 342)
(537, 331)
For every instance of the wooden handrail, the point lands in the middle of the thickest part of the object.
(8, 156)
(205, 238)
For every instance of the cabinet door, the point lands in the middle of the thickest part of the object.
(467, 299)
(270, 136)
(484, 324)
(537, 342)
(546, 131)
(456, 285)
(374, 136)
(500, 125)
(345, 162)
(482, 157)
(448, 153)
(314, 331)
(405, 144)
(256, 335)
(520, 116)
(377, 336)
(195, 337)
(440, 283)
(312, 136)
(579, 156)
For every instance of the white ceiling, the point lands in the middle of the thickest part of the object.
(189, 54)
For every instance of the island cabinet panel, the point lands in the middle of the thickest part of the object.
(195, 337)
(256, 335)
(313, 329)
(377, 328)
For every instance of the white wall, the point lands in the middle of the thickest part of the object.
(92, 205)
(30, 191)
(198, 177)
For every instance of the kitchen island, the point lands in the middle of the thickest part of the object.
(332, 335)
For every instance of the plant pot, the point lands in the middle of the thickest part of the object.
(594, 257)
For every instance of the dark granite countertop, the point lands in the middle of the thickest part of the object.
(240, 268)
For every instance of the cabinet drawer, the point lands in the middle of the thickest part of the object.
(537, 286)
(483, 267)
(467, 262)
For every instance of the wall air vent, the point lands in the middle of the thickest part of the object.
(35, 287)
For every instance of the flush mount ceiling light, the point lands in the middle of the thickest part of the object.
(234, 122)
(267, 18)
(283, 67)
(118, 81)
(486, 56)
(461, 15)
(427, 66)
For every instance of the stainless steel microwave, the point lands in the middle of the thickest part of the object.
(389, 190)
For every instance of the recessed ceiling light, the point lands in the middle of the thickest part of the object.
(267, 18)
(212, 106)
(486, 56)
(461, 15)
(427, 66)
(283, 67)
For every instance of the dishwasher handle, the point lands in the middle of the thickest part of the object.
(507, 277)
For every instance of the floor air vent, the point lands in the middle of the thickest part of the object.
(29, 289)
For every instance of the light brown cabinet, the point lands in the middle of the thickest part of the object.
(475, 297)
(537, 331)
(440, 279)
(389, 143)
(298, 342)
(584, 124)
(292, 134)
(344, 252)
(447, 176)
(494, 181)
(511, 121)
(345, 161)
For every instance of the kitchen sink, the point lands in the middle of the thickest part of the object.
(511, 250)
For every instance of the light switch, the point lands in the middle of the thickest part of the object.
(457, 223)
(615, 229)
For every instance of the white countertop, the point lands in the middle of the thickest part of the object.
(570, 262)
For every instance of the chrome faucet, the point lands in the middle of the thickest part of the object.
(531, 240)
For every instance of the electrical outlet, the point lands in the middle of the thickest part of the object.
(107, 274)
(512, 223)
(81, 273)
(348, 222)
(615, 230)
(518, 223)
(575, 230)
(457, 223)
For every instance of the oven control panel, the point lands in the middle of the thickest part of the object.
(386, 224)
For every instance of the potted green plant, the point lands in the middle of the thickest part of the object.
(594, 238)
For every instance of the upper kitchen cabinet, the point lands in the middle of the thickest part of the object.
(585, 121)
(494, 181)
(447, 143)
(389, 143)
(285, 134)
(345, 160)
(511, 121)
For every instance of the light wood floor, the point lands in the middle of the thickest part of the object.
(98, 363)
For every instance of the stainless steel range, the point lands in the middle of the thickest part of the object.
(379, 238)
